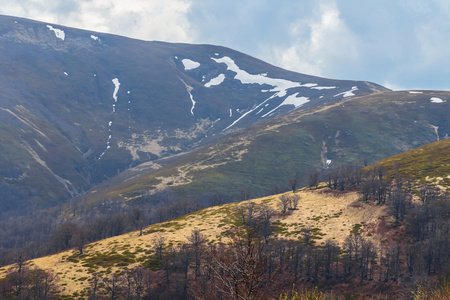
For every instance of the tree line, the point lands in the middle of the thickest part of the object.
(256, 266)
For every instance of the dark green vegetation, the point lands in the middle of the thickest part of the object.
(426, 164)
(62, 132)
(358, 130)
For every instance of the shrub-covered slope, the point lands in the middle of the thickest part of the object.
(356, 130)
(427, 164)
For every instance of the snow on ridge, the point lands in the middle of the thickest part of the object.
(58, 32)
(437, 100)
(280, 86)
(290, 100)
(252, 110)
(116, 88)
(323, 87)
(215, 81)
(190, 64)
(94, 37)
(348, 93)
(415, 92)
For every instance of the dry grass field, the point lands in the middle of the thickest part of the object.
(331, 215)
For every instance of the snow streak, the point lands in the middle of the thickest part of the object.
(116, 89)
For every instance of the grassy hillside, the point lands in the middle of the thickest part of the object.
(427, 164)
(368, 128)
(332, 215)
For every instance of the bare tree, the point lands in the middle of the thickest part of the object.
(313, 177)
(247, 211)
(44, 282)
(79, 240)
(197, 241)
(307, 233)
(138, 219)
(62, 235)
(244, 194)
(94, 285)
(399, 201)
(277, 189)
(113, 286)
(283, 202)
(236, 273)
(158, 245)
(293, 201)
(294, 182)
(264, 227)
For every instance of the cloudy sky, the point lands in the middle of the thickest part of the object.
(402, 44)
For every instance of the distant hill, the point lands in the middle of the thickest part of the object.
(78, 107)
(356, 130)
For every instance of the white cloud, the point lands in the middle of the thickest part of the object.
(142, 19)
(318, 43)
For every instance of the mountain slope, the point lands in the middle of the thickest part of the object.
(368, 128)
(427, 164)
(333, 217)
(78, 107)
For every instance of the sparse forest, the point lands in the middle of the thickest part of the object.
(255, 265)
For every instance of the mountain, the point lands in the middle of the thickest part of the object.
(355, 130)
(78, 107)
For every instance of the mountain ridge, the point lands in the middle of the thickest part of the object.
(106, 103)
(353, 130)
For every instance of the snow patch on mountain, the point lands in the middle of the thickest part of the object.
(250, 111)
(436, 100)
(190, 64)
(193, 102)
(116, 83)
(290, 100)
(323, 87)
(347, 93)
(415, 92)
(280, 86)
(116, 88)
(189, 90)
(94, 37)
(58, 32)
(216, 80)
